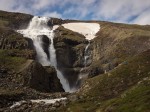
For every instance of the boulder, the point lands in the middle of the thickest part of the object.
(41, 78)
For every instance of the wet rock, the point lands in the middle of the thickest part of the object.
(55, 21)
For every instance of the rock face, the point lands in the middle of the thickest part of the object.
(55, 21)
(10, 40)
(16, 70)
(70, 53)
(41, 78)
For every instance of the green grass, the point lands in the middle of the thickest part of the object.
(121, 78)
(136, 99)
(9, 61)
(119, 41)
(7, 92)
(110, 86)
(3, 23)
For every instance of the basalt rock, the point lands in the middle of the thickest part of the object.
(16, 44)
(69, 47)
(45, 44)
(55, 21)
(41, 78)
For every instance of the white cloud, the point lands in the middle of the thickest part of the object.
(143, 19)
(6, 5)
(41, 4)
(128, 11)
(52, 14)
(121, 10)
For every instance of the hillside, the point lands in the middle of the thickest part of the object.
(115, 77)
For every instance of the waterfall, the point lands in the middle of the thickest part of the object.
(37, 27)
(86, 54)
(83, 75)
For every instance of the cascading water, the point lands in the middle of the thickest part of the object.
(86, 54)
(37, 27)
(83, 75)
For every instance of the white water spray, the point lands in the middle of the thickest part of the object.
(37, 27)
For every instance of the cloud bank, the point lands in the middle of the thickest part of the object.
(125, 11)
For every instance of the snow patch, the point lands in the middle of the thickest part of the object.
(17, 104)
(89, 30)
(46, 101)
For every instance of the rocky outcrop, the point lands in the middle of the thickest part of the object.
(16, 44)
(55, 21)
(41, 78)
(69, 47)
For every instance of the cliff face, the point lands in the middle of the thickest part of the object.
(41, 78)
(70, 52)
(66, 43)
(18, 67)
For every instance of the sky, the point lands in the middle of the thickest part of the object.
(122, 11)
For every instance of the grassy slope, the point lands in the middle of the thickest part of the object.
(116, 42)
(136, 99)
(101, 92)
(10, 62)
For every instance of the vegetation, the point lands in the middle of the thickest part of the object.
(135, 99)
(3, 23)
(14, 20)
(10, 62)
(106, 90)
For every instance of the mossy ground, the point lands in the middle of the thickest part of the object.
(14, 20)
(3, 23)
(104, 92)
(10, 62)
(117, 42)
(136, 99)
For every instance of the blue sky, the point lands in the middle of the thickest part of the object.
(124, 11)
